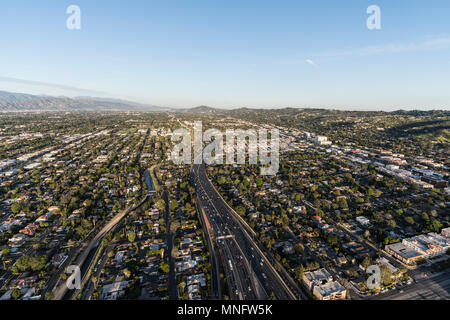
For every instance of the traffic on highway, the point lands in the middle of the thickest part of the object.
(249, 273)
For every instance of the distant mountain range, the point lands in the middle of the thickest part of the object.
(202, 109)
(19, 102)
(26, 102)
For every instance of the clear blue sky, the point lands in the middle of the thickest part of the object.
(232, 53)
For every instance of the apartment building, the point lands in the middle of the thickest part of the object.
(321, 284)
(330, 291)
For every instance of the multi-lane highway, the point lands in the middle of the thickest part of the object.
(249, 273)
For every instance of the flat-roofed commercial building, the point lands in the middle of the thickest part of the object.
(431, 245)
(330, 291)
(312, 278)
(421, 247)
(403, 253)
(437, 239)
(321, 284)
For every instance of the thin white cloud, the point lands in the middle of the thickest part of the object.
(49, 85)
(391, 48)
(309, 61)
(299, 62)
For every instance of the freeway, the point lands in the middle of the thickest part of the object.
(230, 262)
(249, 273)
(91, 285)
(216, 292)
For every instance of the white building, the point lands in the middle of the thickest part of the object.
(421, 247)
(430, 245)
(112, 291)
(322, 140)
(446, 232)
(363, 221)
(33, 166)
(317, 277)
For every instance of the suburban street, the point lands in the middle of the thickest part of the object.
(172, 283)
(436, 287)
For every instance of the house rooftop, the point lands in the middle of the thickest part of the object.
(318, 275)
(329, 288)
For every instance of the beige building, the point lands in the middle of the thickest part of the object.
(404, 253)
(312, 278)
(321, 284)
(330, 291)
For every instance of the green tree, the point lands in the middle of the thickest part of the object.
(409, 220)
(299, 272)
(173, 205)
(160, 204)
(15, 294)
(48, 295)
(366, 262)
(164, 267)
(16, 207)
(131, 236)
